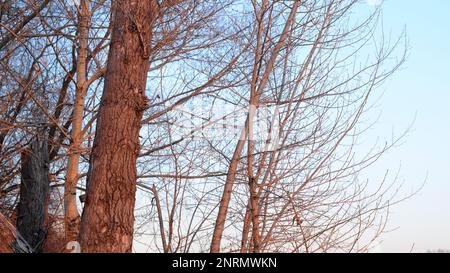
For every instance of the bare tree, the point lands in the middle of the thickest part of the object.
(195, 126)
(294, 186)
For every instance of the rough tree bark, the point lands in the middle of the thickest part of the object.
(34, 190)
(108, 216)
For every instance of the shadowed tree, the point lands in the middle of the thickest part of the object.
(34, 190)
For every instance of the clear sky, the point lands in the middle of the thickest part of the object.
(418, 93)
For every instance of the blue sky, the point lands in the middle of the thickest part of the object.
(419, 94)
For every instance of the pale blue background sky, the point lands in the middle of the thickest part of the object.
(420, 90)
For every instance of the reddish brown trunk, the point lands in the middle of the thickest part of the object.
(10, 239)
(245, 230)
(71, 215)
(108, 217)
(226, 198)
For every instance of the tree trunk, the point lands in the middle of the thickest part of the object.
(71, 215)
(34, 190)
(10, 240)
(219, 226)
(108, 216)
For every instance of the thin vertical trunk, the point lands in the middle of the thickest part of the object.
(245, 230)
(252, 183)
(108, 216)
(71, 215)
(226, 196)
(256, 238)
(34, 190)
(160, 219)
(256, 93)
